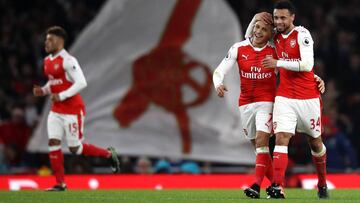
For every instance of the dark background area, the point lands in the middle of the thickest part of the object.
(332, 23)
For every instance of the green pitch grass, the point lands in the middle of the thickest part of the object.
(173, 196)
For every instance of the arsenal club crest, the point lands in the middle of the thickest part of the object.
(292, 43)
(56, 66)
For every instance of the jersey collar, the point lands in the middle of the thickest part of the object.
(257, 48)
(61, 52)
(288, 34)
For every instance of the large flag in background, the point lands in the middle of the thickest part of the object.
(149, 68)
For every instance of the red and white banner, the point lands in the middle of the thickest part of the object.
(158, 182)
(149, 69)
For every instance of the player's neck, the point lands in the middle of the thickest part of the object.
(257, 45)
(57, 51)
(291, 27)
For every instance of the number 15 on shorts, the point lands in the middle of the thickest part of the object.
(73, 129)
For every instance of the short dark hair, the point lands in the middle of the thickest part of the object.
(58, 31)
(285, 4)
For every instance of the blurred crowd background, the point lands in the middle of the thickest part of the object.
(332, 23)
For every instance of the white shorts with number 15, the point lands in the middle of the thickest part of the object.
(68, 125)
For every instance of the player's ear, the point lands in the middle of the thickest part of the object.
(62, 41)
(292, 16)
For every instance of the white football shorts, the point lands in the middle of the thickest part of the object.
(254, 117)
(303, 116)
(68, 125)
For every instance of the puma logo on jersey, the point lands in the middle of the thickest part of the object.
(245, 56)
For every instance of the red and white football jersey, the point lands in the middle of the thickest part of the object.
(295, 85)
(258, 83)
(60, 70)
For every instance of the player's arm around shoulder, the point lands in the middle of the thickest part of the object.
(321, 84)
(219, 73)
(264, 16)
